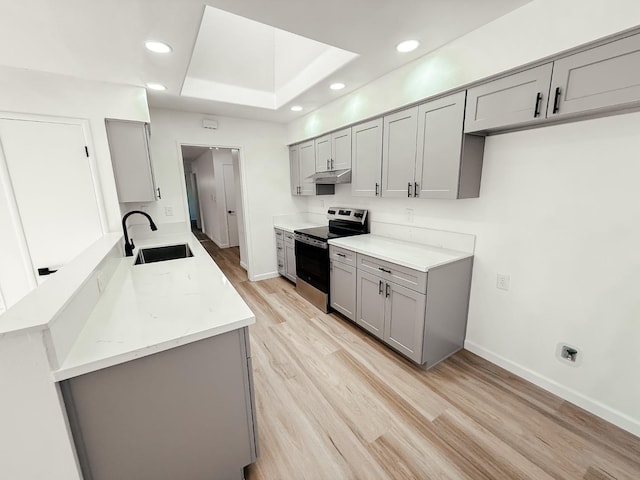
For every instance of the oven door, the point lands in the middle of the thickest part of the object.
(312, 264)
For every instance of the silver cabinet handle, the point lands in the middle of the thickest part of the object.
(159, 195)
(415, 189)
(409, 189)
(386, 290)
(384, 270)
(380, 288)
(327, 164)
(377, 189)
(341, 255)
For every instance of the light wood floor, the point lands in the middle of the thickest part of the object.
(335, 404)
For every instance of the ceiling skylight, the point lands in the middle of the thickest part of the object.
(237, 60)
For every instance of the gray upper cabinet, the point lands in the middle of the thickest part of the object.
(602, 78)
(366, 158)
(341, 149)
(131, 159)
(323, 153)
(294, 163)
(399, 153)
(510, 101)
(449, 162)
(333, 151)
(307, 160)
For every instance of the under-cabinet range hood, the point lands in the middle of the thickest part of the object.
(332, 177)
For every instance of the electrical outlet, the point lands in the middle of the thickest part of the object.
(568, 354)
(503, 281)
(168, 211)
(409, 214)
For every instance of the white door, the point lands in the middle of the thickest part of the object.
(54, 189)
(230, 202)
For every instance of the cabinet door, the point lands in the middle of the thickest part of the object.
(399, 153)
(366, 158)
(517, 99)
(404, 320)
(601, 78)
(290, 261)
(370, 303)
(294, 163)
(307, 168)
(440, 147)
(343, 289)
(129, 147)
(341, 150)
(323, 153)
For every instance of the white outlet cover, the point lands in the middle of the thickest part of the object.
(565, 361)
(503, 282)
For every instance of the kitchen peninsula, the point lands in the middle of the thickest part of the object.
(126, 353)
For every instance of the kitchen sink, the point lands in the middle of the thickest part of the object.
(161, 254)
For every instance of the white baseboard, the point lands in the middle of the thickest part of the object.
(264, 276)
(591, 405)
(244, 265)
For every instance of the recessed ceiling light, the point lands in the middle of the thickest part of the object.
(336, 86)
(156, 86)
(296, 108)
(157, 47)
(407, 46)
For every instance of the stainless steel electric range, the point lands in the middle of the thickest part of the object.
(312, 252)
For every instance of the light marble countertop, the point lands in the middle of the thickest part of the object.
(149, 308)
(408, 254)
(291, 225)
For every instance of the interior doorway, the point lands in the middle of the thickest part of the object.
(214, 195)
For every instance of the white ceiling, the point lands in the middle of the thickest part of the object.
(105, 40)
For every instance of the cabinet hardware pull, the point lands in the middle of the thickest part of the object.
(159, 195)
(384, 270)
(279, 248)
(409, 189)
(380, 288)
(415, 189)
(536, 109)
(556, 101)
(376, 189)
(386, 290)
(341, 255)
(327, 164)
(332, 162)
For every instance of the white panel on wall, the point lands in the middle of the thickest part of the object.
(54, 188)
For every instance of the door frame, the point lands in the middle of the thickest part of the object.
(243, 195)
(226, 214)
(5, 179)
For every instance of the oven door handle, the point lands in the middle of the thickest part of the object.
(311, 241)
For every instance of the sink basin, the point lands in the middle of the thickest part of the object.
(161, 254)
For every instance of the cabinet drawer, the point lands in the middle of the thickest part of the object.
(279, 234)
(404, 276)
(342, 255)
(289, 237)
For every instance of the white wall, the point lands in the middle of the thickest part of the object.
(558, 211)
(264, 171)
(537, 30)
(29, 92)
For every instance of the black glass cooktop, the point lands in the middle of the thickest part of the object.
(327, 233)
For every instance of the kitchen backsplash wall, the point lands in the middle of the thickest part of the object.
(559, 213)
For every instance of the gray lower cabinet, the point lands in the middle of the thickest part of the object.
(370, 311)
(393, 313)
(342, 292)
(518, 99)
(602, 78)
(421, 315)
(187, 412)
(449, 162)
(286, 254)
(366, 159)
(282, 269)
(290, 256)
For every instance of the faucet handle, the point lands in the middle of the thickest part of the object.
(132, 244)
